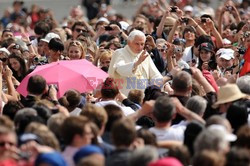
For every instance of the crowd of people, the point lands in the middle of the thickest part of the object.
(177, 91)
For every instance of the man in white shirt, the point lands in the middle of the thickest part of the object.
(132, 67)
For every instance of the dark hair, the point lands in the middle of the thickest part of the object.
(203, 39)
(164, 109)
(72, 126)
(182, 81)
(188, 29)
(6, 30)
(148, 137)
(71, 99)
(56, 44)
(114, 113)
(237, 114)
(11, 107)
(243, 137)
(109, 89)
(123, 132)
(238, 157)
(181, 153)
(136, 96)
(42, 28)
(36, 85)
(206, 16)
(78, 23)
(23, 68)
(193, 129)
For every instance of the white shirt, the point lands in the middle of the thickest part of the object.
(68, 154)
(170, 134)
(122, 68)
(126, 110)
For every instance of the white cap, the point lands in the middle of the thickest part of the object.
(50, 36)
(221, 129)
(5, 50)
(226, 53)
(226, 41)
(103, 19)
(188, 8)
(124, 25)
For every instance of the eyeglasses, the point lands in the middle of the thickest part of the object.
(75, 42)
(5, 143)
(3, 59)
(80, 30)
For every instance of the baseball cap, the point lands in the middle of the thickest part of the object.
(206, 46)
(50, 36)
(226, 53)
(103, 19)
(221, 129)
(124, 25)
(188, 8)
(5, 50)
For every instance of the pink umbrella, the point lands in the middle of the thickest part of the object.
(74, 74)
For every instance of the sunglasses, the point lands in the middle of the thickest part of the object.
(5, 143)
(75, 43)
(80, 30)
(3, 59)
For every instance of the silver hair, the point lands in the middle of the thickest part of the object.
(143, 156)
(134, 33)
(211, 140)
(243, 84)
(197, 104)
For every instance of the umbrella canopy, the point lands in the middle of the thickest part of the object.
(73, 74)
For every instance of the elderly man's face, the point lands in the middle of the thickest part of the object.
(226, 63)
(137, 45)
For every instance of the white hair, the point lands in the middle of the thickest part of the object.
(134, 33)
(197, 104)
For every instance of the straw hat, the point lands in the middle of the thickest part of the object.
(229, 93)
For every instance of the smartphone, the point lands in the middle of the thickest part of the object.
(173, 9)
(108, 28)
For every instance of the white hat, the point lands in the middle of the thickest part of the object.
(226, 53)
(103, 19)
(50, 36)
(5, 50)
(124, 25)
(221, 129)
(188, 8)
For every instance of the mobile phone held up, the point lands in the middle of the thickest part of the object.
(173, 9)
(108, 28)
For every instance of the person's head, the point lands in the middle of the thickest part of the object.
(76, 131)
(164, 110)
(243, 84)
(206, 52)
(114, 113)
(238, 157)
(181, 153)
(226, 57)
(56, 47)
(109, 89)
(209, 158)
(45, 135)
(7, 33)
(42, 28)
(143, 156)
(77, 28)
(237, 114)
(123, 133)
(105, 58)
(193, 129)
(140, 20)
(71, 99)
(50, 158)
(17, 64)
(96, 114)
(243, 137)
(182, 83)
(55, 122)
(189, 33)
(11, 107)
(36, 85)
(76, 50)
(219, 120)
(136, 41)
(197, 104)
(8, 140)
(136, 96)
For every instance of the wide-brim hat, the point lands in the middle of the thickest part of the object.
(228, 93)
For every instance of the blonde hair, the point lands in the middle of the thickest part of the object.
(78, 44)
(105, 55)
